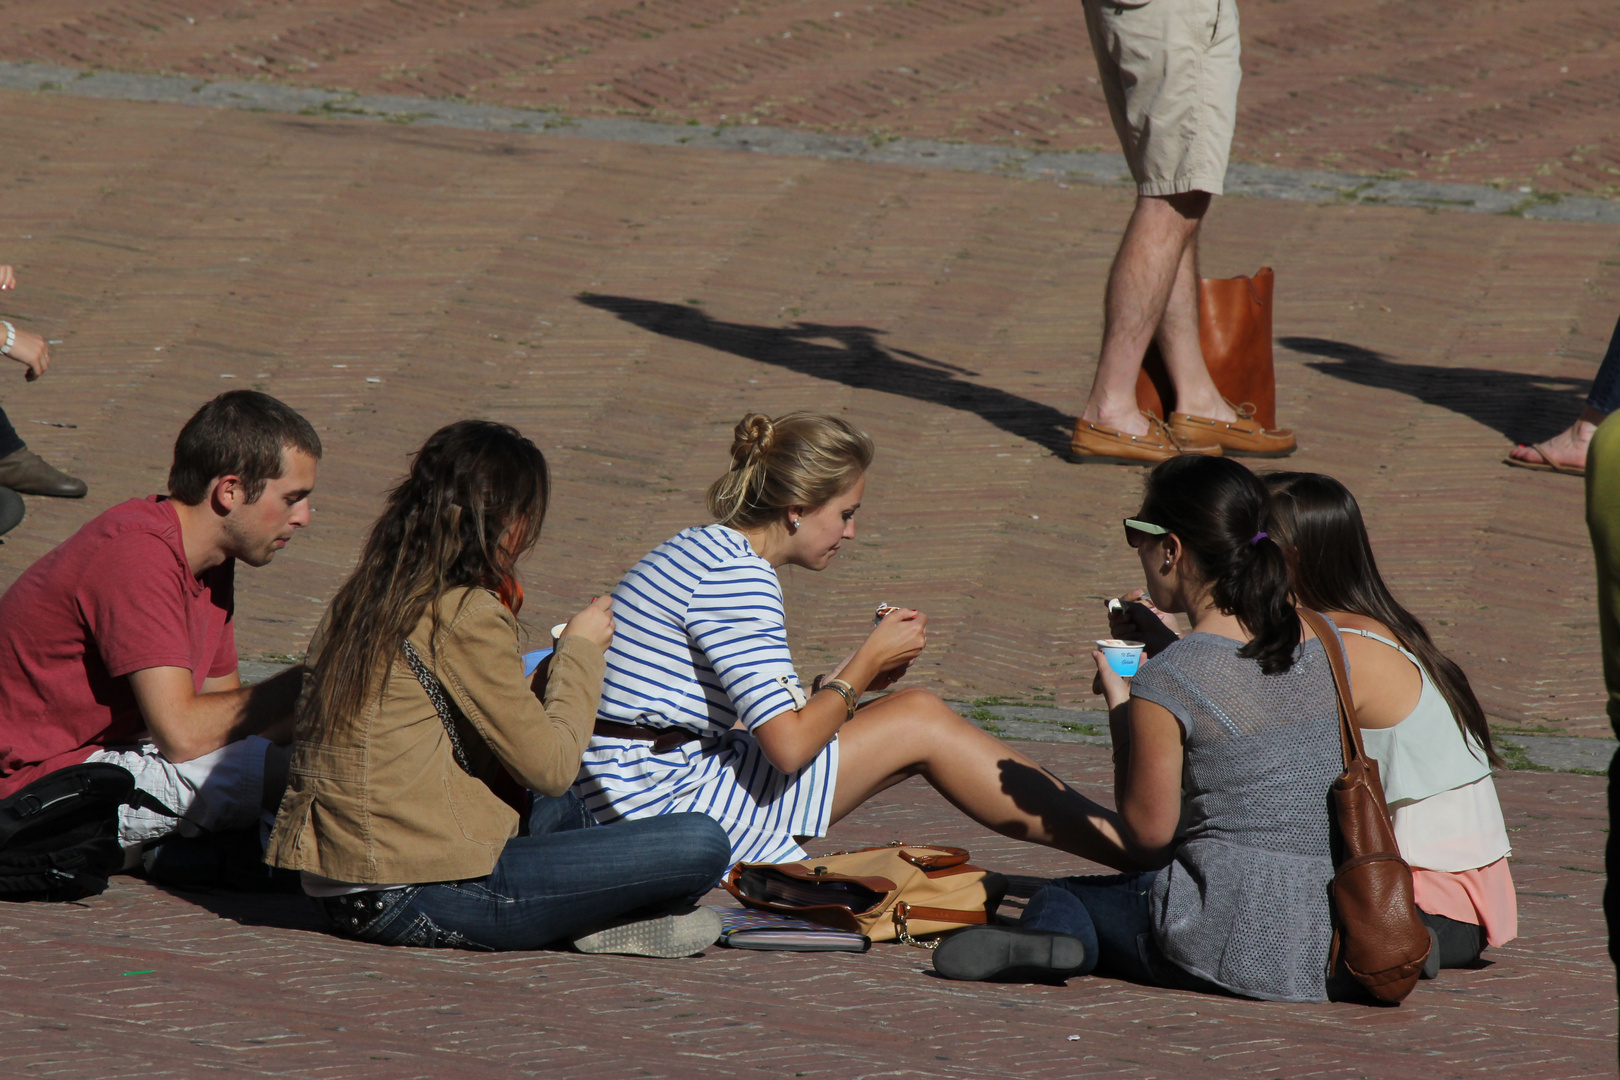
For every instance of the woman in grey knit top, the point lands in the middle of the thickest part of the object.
(1226, 743)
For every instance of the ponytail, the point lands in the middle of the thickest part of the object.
(1219, 511)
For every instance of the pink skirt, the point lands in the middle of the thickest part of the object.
(1483, 897)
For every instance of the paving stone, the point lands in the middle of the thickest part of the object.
(626, 304)
(141, 981)
(1450, 91)
(1262, 181)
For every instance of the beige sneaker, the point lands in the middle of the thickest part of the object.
(676, 934)
(1110, 446)
(1243, 437)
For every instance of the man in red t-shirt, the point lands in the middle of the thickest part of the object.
(117, 645)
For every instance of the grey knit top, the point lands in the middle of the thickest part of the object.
(1244, 901)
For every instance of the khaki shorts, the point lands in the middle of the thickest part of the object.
(1170, 70)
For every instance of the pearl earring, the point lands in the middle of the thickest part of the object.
(795, 523)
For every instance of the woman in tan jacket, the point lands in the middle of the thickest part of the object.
(406, 809)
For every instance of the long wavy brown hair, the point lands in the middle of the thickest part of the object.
(1318, 523)
(470, 508)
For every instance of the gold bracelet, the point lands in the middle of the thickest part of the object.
(845, 691)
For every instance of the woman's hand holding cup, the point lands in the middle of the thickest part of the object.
(1109, 683)
(594, 623)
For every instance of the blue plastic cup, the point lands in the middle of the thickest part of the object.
(1125, 657)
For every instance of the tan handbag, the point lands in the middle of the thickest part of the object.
(897, 892)
(1377, 934)
(1234, 328)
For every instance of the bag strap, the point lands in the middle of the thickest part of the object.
(441, 705)
(1349, 729)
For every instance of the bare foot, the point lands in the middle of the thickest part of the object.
(1567, 449)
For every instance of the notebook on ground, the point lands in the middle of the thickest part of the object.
(745, 928)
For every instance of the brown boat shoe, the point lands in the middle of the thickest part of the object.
(1109, 446)
(1243, 437)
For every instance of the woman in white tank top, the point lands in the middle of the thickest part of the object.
(1419, 718)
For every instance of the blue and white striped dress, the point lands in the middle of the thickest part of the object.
(701, 643)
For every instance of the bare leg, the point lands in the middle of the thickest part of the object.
(914, 733)
(1180, 345)
(1156, 263)
(1568, 447)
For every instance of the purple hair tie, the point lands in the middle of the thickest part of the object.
(1257, 537)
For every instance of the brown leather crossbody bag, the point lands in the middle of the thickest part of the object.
(1377, 935)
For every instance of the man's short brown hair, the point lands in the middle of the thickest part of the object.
(240, 433)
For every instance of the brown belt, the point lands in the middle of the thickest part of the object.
(662, 739)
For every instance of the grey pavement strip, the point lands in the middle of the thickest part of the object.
(1038, 723)
(1254, 181)
(1044, 723)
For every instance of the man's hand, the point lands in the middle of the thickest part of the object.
(185, 724)
(30, 349)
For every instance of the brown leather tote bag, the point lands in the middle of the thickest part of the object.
(889, 893)
(1234, 327)
(1377, 935)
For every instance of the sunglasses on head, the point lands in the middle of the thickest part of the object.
(1138, 532)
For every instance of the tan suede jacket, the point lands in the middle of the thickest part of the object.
(382, 800)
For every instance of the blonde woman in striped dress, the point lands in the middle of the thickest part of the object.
(703, 710)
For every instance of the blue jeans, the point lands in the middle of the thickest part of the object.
(566, 876)
(1605, 393)
(1110, 916)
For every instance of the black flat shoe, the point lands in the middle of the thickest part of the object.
(1009, 954)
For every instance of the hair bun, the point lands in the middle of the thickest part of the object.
(751, 437)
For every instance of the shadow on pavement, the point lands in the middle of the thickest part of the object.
(1526, 408)
(289, 911)
(850, 355)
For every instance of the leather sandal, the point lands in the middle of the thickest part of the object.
(1109, 446)
(1243, 437)
(1546, 464)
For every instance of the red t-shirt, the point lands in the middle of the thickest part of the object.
(115, 597)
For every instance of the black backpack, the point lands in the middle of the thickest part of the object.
(59, 835)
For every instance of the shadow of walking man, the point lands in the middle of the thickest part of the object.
(1526, 408)
(850, 355)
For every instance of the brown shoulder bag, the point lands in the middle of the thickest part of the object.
(1377, 935)
(895, 892)
(1234, 328)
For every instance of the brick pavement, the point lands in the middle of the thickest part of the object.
(626, 304)
(1511, 93)
(142, 982)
